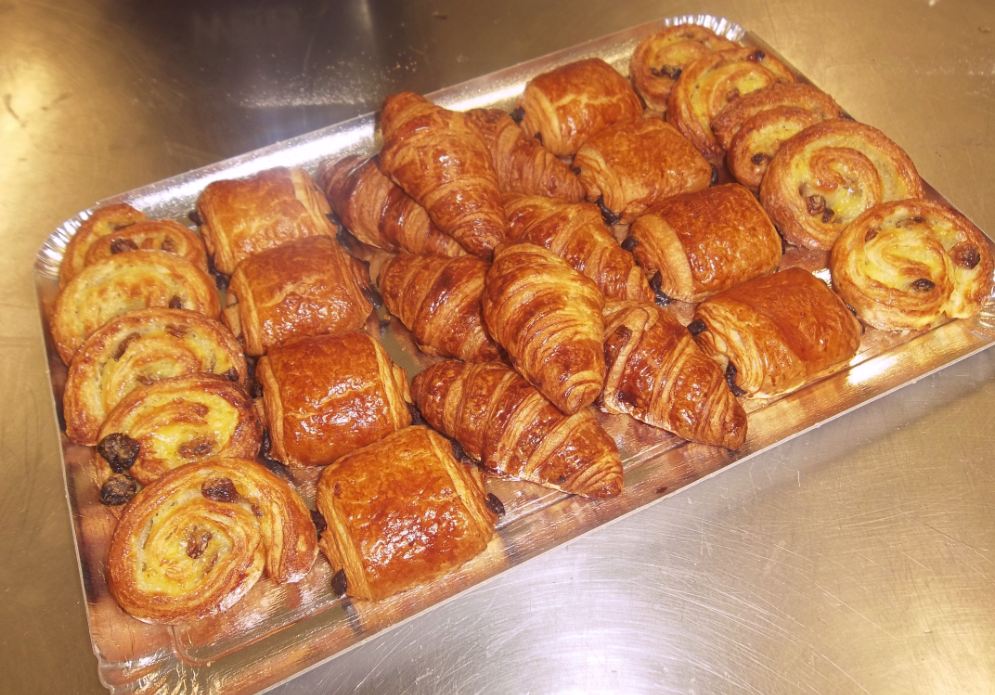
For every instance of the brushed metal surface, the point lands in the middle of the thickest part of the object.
(859, 558)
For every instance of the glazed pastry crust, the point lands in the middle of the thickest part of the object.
(241, 217)
(103, 221)
(577, 233)
(825, 176)
(438, 300)
(778, 331)
(155, 235)
(177, 556)
(325, 396)
(567, 105)
(634, 165)
(123, 283)
(137, 349)
(658, 375)
(759, 139)
(911, 264)
(305, 287)
(705, 242)
(505, 423)
(400, 513)
(547, 316)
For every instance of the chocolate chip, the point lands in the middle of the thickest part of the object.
(697, 327)
(815, 204)
(607, 215)
(168, 245)
(966, 255)
(118, 490)
(340, 584)
(671, 72)
(416, 416)
(319, 521)
(731, 372)
(715, 176)
(871, 234)
(517, 114)
(175, 302)
(760, 158)
(495, 504)
(197, 448)
(119, 450)
(122, 245)
(629, 243)
(655, 284)
(828, 214)
(923, 285)
(756, 56)
(197, 541)
(123, 345)
(373, 297)
(219, 490)
(194, 216)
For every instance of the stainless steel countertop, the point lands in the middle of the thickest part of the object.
(857, 558)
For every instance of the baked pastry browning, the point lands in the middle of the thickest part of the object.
(241, 217)
(325, 396)
(910, 264)
(774, 333)
(569, 104)
(178, 421)
(438, 300)
(660, 59)
(522, 164)
(127, 282)
(441, 161)
(548, 318)
(710, 83)
(825, 176)
(195, 541)
(577, 233)
(756, 143)
(378, 212)
(156, 235)
(505, 423)
(658, 375)
(101, 222)
(305, 287)
(138, 349)
(400, 513)
(632, 166)
(698, 244)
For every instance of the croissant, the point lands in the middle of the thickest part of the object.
(659, 376)
(195, 541)
(774, 333)
(505, 423)
(825, 176)
(522, 164)
(400, 513)
(569, 104)
(378, 212)
(438, 300)
(548, 318)
(439, 159)
(577, 233)
(101, 222)
(138, 349)
(909, 264)
(632, 166)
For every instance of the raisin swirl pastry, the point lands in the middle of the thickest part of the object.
(796, 95)
(910, 264)
(123, 283)
(138, 349)
(548, 318)
(774, 333)
(400, 513)
(157, 235)
(661, 58)
(102, 222)
(176, 421)
(567, 105)
(825, 176)
(195, 541)
(514, 431)
(658, 375)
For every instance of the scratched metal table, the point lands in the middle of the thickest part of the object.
(858, 558)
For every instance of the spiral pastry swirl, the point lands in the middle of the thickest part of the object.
(102, 222)
(196, 540)
(150, 235)
(910, 264)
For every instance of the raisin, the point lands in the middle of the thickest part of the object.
(118, 490)
(871, 234)
(815, 204)
(662, 298)
(194, 216)
(319, 521)
(756, 56)
(827, 214)
(731, 372)
(538, 136)
(340, 584)
(119, 450)
(697, 327)
(168, 245)
(122, 245)
(575, 169)
(760, 158)
(197, 541)
(495, 504)
(175, 302)
(518, 114)
(671, 72)
(231, 374)
(123, 345)
(629, 243)
(197, 448)
(176, 330)
(966, 255)
(732, 94)
(923, 285)
(219, 490)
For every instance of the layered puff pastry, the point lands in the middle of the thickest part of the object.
(241, 217)
(438, 300)
(710, 83)
(547, 316)
(658, 375)
(523, 165)
(378, 212)
(195, 541)
(698, 244)
(576, 232)
(177, 421)
(441, 161)
(306, 287)
(127, 282)
(564, 107)
(631, 166)
(325, 396)
(502, 421)
(661, 58)
(400, 513)
(910, 264)
(138, 349)
(774, 333)
(821, 179)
